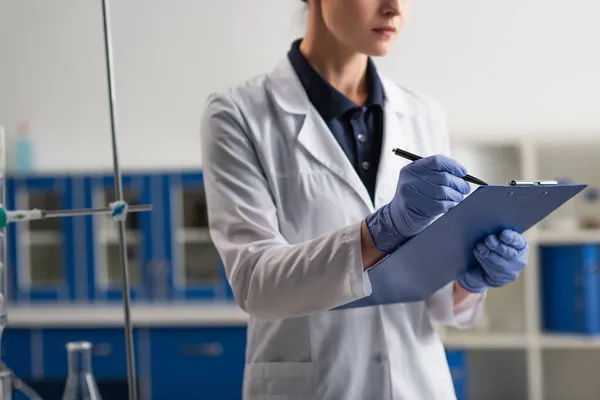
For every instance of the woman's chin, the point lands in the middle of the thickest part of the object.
(378, 49)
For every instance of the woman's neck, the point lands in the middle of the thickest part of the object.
(343, 68)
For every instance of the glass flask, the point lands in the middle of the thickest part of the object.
(81, 384)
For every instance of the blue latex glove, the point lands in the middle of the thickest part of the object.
(427, 188)
(501, 259)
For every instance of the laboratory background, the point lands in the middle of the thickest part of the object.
(518, 79)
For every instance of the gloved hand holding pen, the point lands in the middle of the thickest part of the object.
(427, 188)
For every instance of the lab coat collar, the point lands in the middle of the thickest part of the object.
(315, 137)
(397, 99)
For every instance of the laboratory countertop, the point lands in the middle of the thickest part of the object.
(142, 315)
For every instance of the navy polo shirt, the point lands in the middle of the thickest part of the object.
(357, 128)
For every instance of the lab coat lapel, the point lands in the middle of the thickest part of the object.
(314, 134)
(398, 129)
(318, 140)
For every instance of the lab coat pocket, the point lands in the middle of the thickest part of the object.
(279, 380)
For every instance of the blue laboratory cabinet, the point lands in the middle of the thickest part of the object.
(102, 248)
(171, 362)
(194, 268)
(76, 262)
(170, 253)
(209, 362)
(41, 253)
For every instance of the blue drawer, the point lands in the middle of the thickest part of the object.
(457, 361)
(108, 352)
(16, 351)
(189, 363)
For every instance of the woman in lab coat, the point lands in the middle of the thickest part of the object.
(304, 196)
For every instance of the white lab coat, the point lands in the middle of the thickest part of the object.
(285, 207)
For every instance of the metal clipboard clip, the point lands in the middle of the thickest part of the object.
(529, 183)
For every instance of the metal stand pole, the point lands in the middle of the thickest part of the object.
(6, 387)
(131, 378)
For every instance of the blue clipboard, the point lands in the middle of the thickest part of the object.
(442, 251)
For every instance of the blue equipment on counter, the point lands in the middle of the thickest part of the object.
(570, 286)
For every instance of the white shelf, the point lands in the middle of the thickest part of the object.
(578, 236)
(565, 342)
(229, 314)
(193, 235)
(528, 155)
(497, 341)
(486, 341)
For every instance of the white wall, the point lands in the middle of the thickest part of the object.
(511, 65)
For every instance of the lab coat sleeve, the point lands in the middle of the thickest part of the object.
(441, 305)
(270, 278)
(464, 314)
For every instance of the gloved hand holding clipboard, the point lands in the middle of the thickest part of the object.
(443, 251)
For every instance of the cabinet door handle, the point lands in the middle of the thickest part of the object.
(202, 350)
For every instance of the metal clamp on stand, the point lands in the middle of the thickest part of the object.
(9, 382)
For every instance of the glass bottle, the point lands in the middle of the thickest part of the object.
(564, 218)
(81, 384)
(24, 155)
(590, 212)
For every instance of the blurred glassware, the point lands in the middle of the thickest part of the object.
(565, 217)
(81, 384)
(24, 154)
(590, 208)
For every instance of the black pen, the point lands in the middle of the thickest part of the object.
(414, 157)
